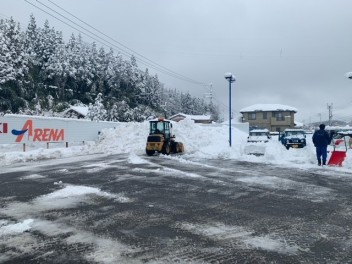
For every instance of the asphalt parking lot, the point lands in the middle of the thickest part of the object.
(118, 209)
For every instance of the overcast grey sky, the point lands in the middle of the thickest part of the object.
(292, 52)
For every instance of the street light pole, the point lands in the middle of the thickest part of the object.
(229, 76)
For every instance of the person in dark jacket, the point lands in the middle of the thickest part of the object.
(321, 140)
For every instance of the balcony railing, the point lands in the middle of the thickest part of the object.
(285, 120)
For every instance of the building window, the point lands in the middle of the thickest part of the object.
(251, 116)
(279, 116)
(265, 115)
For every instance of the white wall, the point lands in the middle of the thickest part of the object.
(49, 129)
(244, 127)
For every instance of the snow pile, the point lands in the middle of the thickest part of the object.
(17, 228)
(200, 141)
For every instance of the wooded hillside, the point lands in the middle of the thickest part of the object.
(40, 73)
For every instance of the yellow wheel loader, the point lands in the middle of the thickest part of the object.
(161, 139)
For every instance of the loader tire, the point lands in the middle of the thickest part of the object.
(180, 147)
(150, 152)
(166, 148)
(173, 147)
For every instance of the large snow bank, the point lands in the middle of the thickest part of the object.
(201, 141)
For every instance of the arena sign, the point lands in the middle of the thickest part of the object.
(25, 129)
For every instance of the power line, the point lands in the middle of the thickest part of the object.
(4, 16)
(123, 52)
(330, 113)
(138, 56)
(103, 41)
(98, 40)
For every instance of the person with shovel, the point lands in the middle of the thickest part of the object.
(321, 140)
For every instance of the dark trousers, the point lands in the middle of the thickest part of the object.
(322, 153)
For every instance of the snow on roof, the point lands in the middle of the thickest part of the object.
(293, 129)
(83, 110)
(347, 127)
(260, 130)
(268, 107)
(298, 124)
(348, 132)
(159, 119)
(193, 117)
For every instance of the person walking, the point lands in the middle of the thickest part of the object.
(321, 140)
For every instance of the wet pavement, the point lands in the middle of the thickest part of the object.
(170, 210)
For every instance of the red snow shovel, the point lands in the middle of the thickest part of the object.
(338, 156)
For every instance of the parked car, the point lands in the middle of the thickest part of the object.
(293, 138)
(259, 135)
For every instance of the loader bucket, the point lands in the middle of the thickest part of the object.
(337, 157)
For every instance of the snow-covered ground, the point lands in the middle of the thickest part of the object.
(201, 141)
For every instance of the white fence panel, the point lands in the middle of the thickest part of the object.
(25, 129)
(244, 127)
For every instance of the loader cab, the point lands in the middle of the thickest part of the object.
(161, 127)
(161, 139)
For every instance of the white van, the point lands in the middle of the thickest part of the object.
(259, 135)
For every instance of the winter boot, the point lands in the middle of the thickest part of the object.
(319, 162)
(324, 162)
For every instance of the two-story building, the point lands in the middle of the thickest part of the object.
(275, 117)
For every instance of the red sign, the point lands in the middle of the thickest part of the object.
(3, 128)
(40, 134)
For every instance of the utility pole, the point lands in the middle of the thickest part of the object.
(210, 107)
(330, 113)
(164, 108)
(210, 94)
(230, 78)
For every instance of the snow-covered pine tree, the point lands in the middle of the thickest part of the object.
(77, 71)
(13, 66)
(55, 70)
(97, 112)
(113, 114)
(124, 112)
(186, 103)
(141, 112)
(13, 61)
(32, 44)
